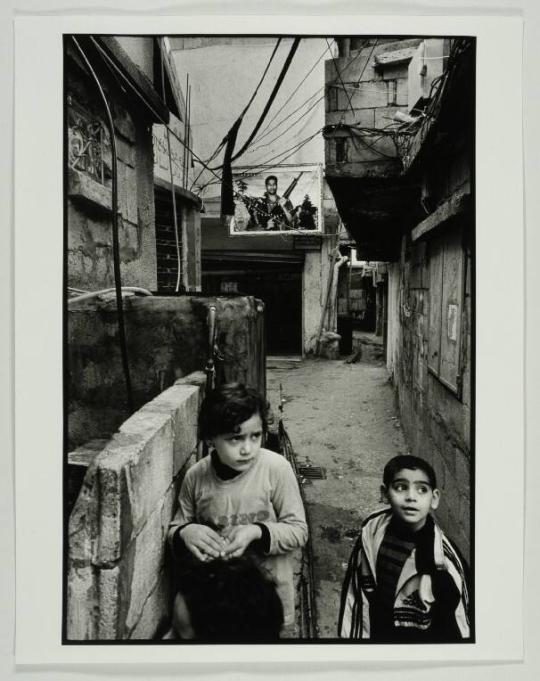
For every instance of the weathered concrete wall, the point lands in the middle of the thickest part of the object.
(436, 419)
(89, 235)
(117, 584)
(167, 338)
(376, 93)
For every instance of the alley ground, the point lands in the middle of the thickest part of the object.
(340, 417)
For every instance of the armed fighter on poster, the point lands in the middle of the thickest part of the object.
(261, 207)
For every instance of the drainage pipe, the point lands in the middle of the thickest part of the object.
(331, 286)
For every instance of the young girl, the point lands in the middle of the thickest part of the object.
(242, 497)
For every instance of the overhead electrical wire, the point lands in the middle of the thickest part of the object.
(367, 60)
(342, 83)
(278, 125)
(224, 140)
(295, 89)
(308, 100)
(265, 128)
(314, 94)
(268, 104)
(158, 117)
(179, 259)
(292, 149)
(262, 77)
(292, 125)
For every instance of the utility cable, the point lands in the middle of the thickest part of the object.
(292, 125)
(283, 120)
(342, 83)
(270, 101)
(269, 123)
(262, 78)
(367, 60)
(224, 140)
(115, 240)
(314, 94)
(289, 153)
(173, 193)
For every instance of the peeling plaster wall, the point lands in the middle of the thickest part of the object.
(89, 222)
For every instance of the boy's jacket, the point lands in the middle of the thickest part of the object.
(431, 572)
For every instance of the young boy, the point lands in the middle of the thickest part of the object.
(241, 497)
(405, 581)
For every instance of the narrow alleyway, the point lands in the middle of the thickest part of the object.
(340, 417)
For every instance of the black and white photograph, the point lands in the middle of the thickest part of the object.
(269, 353)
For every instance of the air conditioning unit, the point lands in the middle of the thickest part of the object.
(428, 63)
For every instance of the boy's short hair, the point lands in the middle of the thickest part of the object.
(229, 600)
(398, 463)
(269, 178)
(229, 405)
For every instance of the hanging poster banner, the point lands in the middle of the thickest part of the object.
(284, 199)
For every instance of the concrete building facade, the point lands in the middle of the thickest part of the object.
(142, 99)
(402, 144)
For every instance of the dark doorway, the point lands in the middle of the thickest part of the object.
(280, 288)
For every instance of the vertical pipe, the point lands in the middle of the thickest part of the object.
(171, 173)
(185, 134)
(116, 246)
(186, 212)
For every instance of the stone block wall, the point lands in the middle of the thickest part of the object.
(117, 581)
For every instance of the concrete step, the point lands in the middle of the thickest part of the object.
(283, 362)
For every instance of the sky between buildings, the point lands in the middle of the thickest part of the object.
(223, 74)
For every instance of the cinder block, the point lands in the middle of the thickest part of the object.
(147, 560)
(368, 95)
(82, 599)
(402, 98)
(181, 402)
(350, 69)
(396, 71)
(113, 525)
(108, 612)
(84, 521)
(148, 467)
(156, 612)
(85, 455)
(134, 473)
